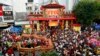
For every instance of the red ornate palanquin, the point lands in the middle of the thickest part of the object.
(48, 46)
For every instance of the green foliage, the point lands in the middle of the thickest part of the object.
(98, 10)
(50, 53)
(86, 11)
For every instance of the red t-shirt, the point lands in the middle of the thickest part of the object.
(10, 51)
(14, 36)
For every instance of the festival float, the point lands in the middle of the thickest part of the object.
(34, 43)
(51, 15)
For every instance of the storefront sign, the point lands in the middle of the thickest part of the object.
(8, 15)
(53, 13)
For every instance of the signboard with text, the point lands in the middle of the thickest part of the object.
(8, 16)
(52, 13)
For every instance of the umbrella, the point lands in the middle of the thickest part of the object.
(97, 27)
(16, 29)
(93, 40)
(98, 43)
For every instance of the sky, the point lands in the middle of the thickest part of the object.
(19, 5)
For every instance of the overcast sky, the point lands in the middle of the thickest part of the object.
(19, 5)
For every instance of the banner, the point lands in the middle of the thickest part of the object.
(53, 13)
(1, 11)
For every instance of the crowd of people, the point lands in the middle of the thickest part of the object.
(66, 42)
(70, 43)
(8, 42)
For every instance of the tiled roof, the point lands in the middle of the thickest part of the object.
(53, 6)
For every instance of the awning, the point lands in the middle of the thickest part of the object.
(16, 29)
(22, 22)
(3, 24)
(42, 18)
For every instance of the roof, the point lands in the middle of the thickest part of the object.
(53, 6)
(36, 15)
(76, 25)
(42, 18)
(2, 4)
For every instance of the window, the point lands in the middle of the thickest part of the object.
(29, 8)
(7, 8)
(30, 0)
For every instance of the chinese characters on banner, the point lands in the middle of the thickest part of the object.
(52, 13)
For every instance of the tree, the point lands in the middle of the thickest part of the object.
(97, 20)
(98, 9)
(86, 11)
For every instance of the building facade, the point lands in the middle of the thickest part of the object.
(6, 15)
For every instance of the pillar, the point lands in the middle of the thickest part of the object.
(71, 23)
(32, 25)
(38, 26)
(62, 26)
(66, 24)
(44, 26)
